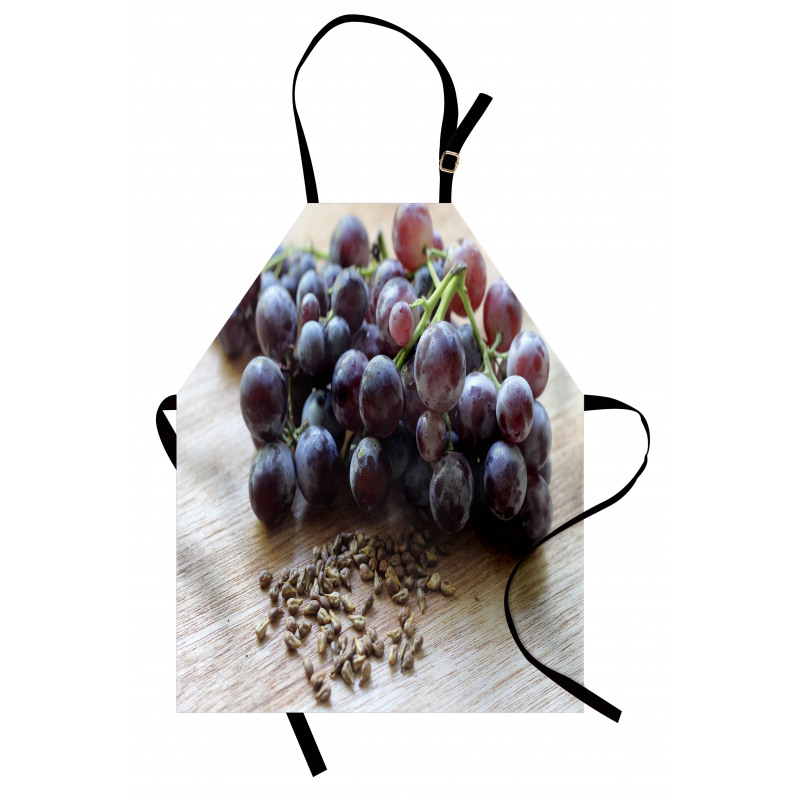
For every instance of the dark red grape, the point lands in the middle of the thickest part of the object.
(466, 251)
(504, 479)
(384, 272)
(311, 283)
(412, 404)
(318, 410)
(349, 298)
(272, 482)
(370, 474)
(329, 273)
(439, 366)
(514, 409)
(417, 481)
(502, 313)
(528, 357)
(399, 447)
(472, 352)
(438, 242)
(431, 435)
(263, 399)
(535, 448)
(401, 323)
(380, 399)
(345, 388)
(308, 309)
(337, 340)
(536, 515)
(475, 417)
(412, 232)
(233, 335)
(366, 340)
(394, 291)
(350, 244)
(276, 322)
(451, 492)
(423, 282)
(317, 465)
(311, 348)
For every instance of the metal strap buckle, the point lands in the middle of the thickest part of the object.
(441, 160)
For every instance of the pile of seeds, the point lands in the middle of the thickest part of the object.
(399, 569)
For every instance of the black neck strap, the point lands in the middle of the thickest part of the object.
(452, 137)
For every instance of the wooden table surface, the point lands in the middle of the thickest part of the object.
(469, 661)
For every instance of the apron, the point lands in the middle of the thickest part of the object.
(358, 383)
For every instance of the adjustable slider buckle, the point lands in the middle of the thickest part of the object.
(441, 161)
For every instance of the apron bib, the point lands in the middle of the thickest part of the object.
(377, 443)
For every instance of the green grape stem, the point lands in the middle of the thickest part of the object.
(449, 431)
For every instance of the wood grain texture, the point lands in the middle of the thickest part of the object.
(469, 661)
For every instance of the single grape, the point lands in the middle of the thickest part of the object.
(311, 283)
(311, 348)
(536, 515)
(431, 435)
(528, 357)
(546, 471)
(263, 399)
(412, 232)
(349, 298)
(451, 492)
(350, 244)
(366, 340)
(399, 447)
(233, 335)
(412, 404)
(504, 479)
(329, 273)
(535, 448)
(395, 290)
(423, 282)
(345, 388)
(466, 251)
(475, 417)
(337, 340)
(384, 272)
(318, 410)
(380, 400)
(514, 409)
(502, 313)
(440, 366)
(438, 242)
(401, 323)
(308, 309)
(276, 322)
(370, 474)
(317, 465)
(417, 481)
(272, 482)
(472, 352)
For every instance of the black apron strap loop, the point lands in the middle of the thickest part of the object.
(452, 135)
(590, 403)
(169, 441)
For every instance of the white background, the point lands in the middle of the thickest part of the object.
(636, 177)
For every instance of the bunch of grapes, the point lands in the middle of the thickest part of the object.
(363, 378)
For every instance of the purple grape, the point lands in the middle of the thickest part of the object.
(272, 483)
(439, 366)
(329, 274)
(311, 348)
(311, 283)
(451, 492)
(504, 479)
(380, 399)
(423, 282)
(345, 388)
(366, 340)
(394, 291)
(349, 298)
(317, 466)
(535, 448)
(318, 410)
(337, 340)
(308, 309)
(472, 353)
(384, 272)
(350, 245)
(276, 322)
(514, 409)
(370, 474)
(475, 417)
(399, 447)
(431, 435)
(528, 357)
(263, 399)
(536, 515)
(233, 335)
(299, 264)
(502, 313)
(417, 481)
